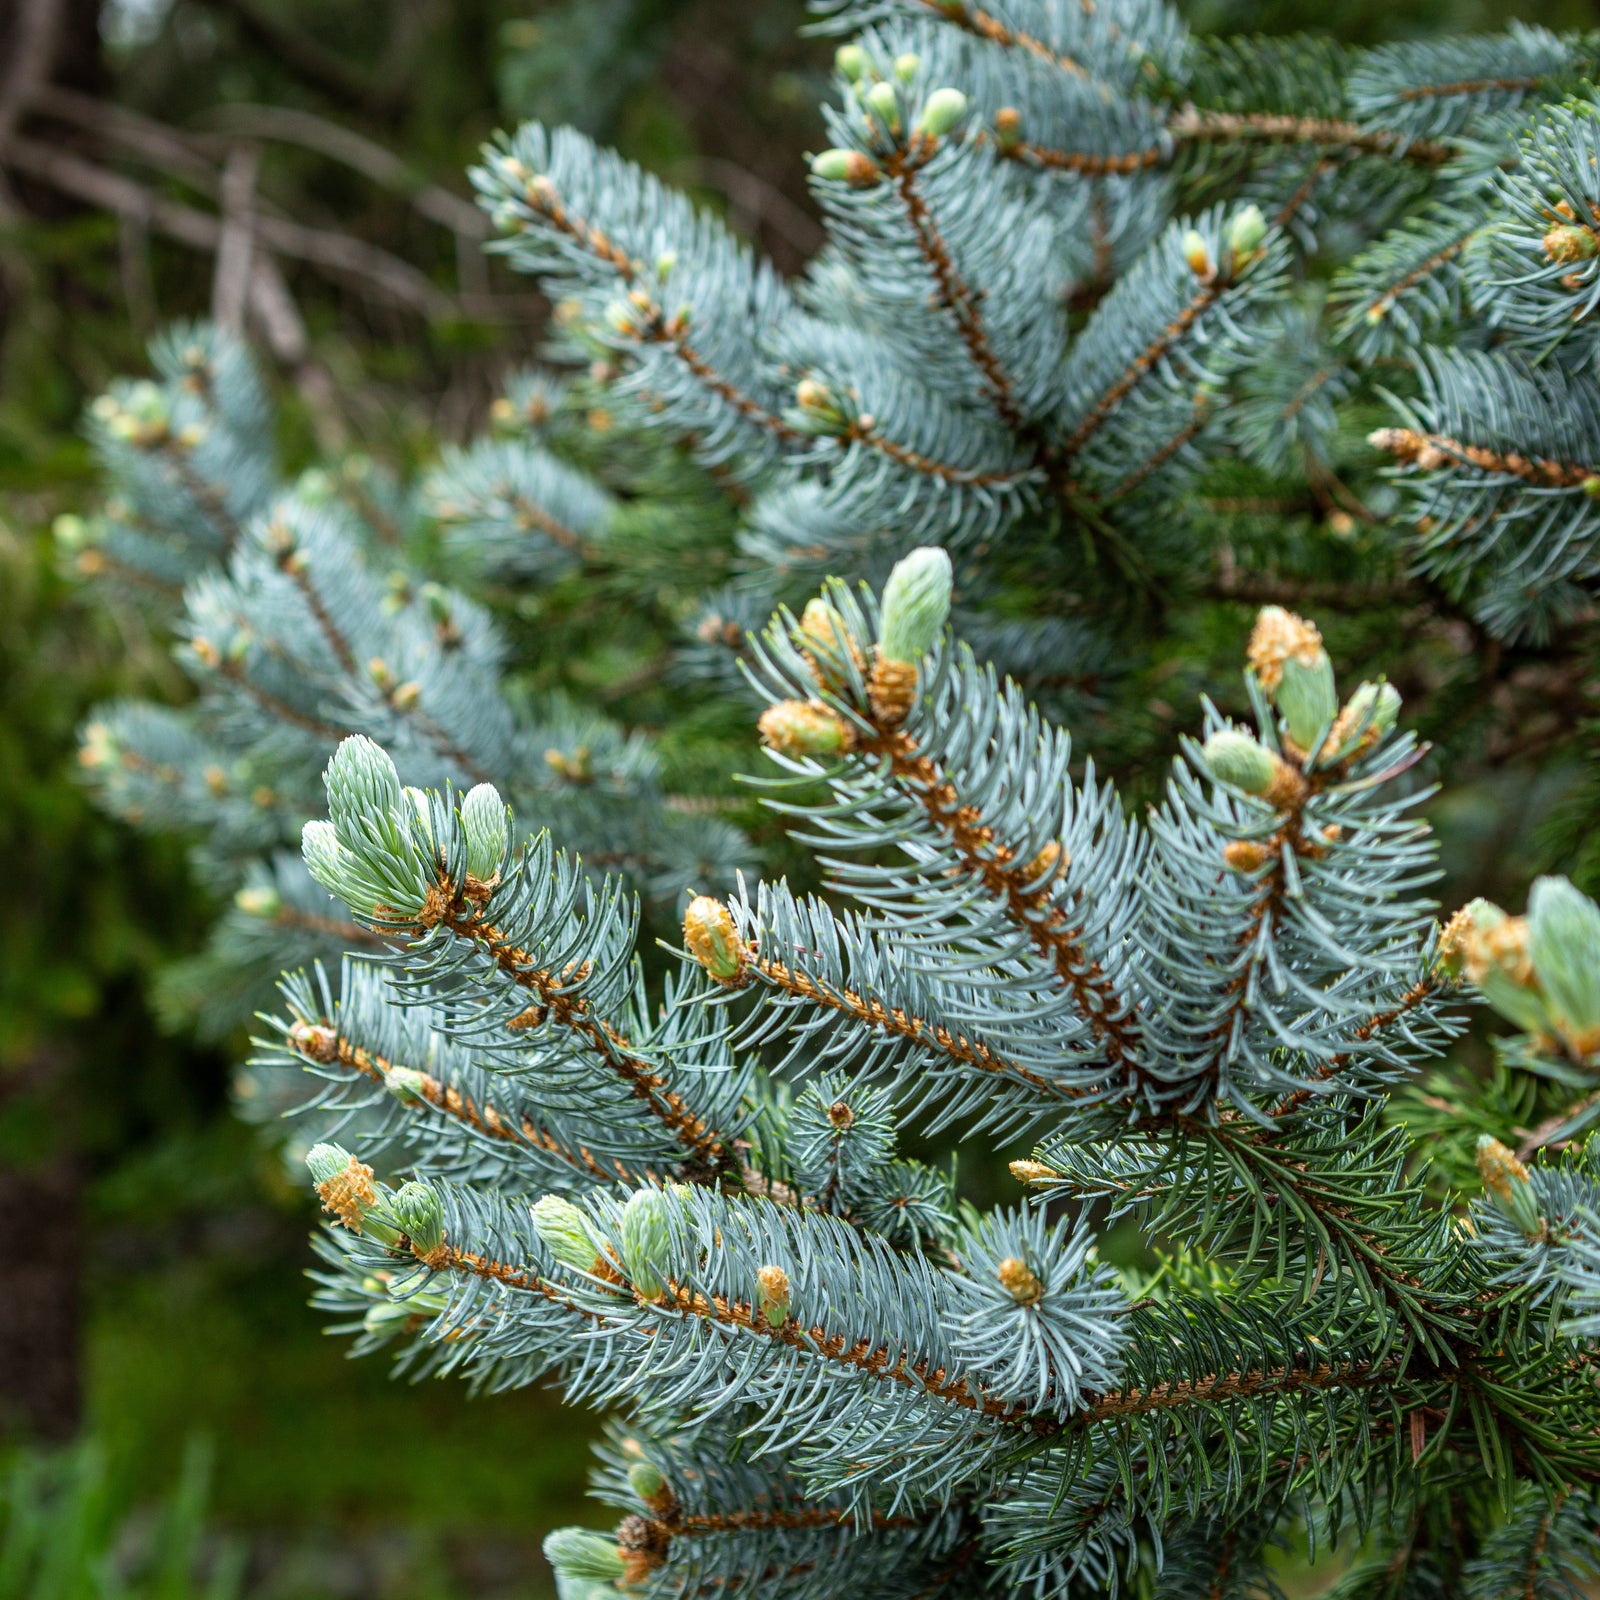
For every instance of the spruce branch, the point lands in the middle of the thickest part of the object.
(322, 1045)
(1143, 362)
(454, 911)
(956, 295)
(1429, 452)
(1194, 125)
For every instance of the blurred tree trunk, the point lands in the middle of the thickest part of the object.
(41, 1223)
(41, 1179)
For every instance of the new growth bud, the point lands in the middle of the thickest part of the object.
(819, 411)
(884, 101)
(846, 166)
(712, 939)
(942, 111)
(1567, 244)
(1246, 855)
(1287, 657)
(1245, 233)
(1236, 759)
(344, 1185)
(646, 1480)
(805, 728)
(565, 1232)
(772, 1296)
(415, 1208)
(851, 61)
(259, 900)
(821, 623)
(1047, 865)
(375, 851)
(826, 641)
(1369, 715)
(645, 1237)
(578, 1553)
(406, 1084)
(484, 822)
(1564, 946)
(1507, 1182)
(1019, 1281)
(1197, 255)
(916, 602)
(314, 1041)
(1491, 951)
(1033, 1172)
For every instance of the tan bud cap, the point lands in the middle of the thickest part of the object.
(1280, 636)
(1019, 1281)
(349, 1195)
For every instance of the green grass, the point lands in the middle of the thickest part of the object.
(198, 1323)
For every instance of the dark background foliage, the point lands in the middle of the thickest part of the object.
(153, 1288)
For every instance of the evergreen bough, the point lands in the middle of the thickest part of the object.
(1107, 313)
(836, 1378)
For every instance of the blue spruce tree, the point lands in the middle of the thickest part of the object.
(1105, 323)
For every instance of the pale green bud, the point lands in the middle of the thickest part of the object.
(1495, 955)
(565, 1232)
(484, 821)
(713, 940)
(1368, 716)
(1196, 254)
(845, 166)
(406, 1084)
(851, 61)
(1386, 710)
(820, 410)
(1289, 662)
(415, 1207)
(1245, 233)
(1307, 698)
(325, 1161)
(327, 860)
(379, 853)
(916, 602)
(345, 1187)
(1507, 1182)
(646, 1480)
(146, 400)
(578, 1553)
(1238, 760)
(258, 901)
(772, 1295)
(362, 782)
(941, 111)
(822, 623)
(793, 728)
(645, 1238)
(1569, 244)
(1564, 944)
(315, 485)
(905, 66)
(884, 101)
